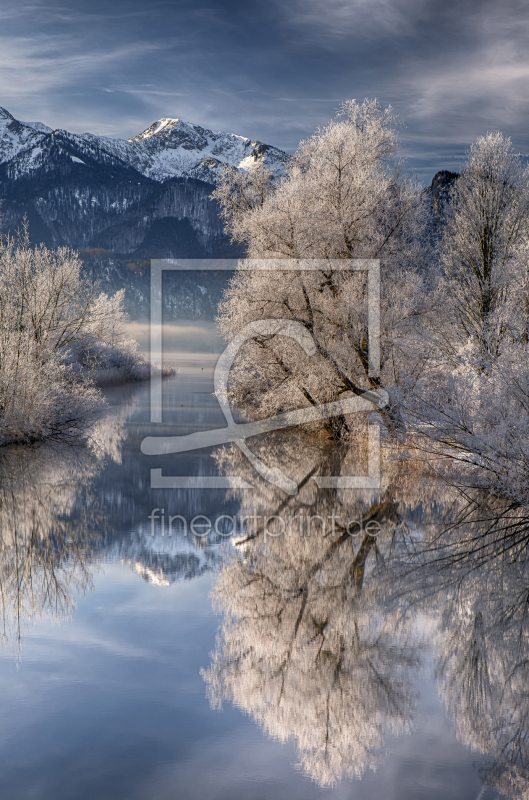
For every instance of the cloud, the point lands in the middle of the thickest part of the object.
(42, 65)
(271, 70)
(364, 18)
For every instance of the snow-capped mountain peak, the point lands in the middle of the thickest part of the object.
(149, 195)
(16, 138)
(162, 127)
(169, 148)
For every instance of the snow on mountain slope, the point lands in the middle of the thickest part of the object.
(169, 148)
(38, 126)
(176, 147)
(16, 137)
(123, 202)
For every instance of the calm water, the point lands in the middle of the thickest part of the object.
(331, 682)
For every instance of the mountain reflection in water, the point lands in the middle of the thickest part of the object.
(62, 513)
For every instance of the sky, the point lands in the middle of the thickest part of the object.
(272, 70)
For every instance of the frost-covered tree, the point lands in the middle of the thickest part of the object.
(473, 395)
(104, 351)
(44, 305)
(58, 338)
(487, 220)
(342, 198)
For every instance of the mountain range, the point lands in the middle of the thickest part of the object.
(169, 148)
(122, 202)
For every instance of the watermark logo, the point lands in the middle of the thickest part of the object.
(237, 528)
(239, 433)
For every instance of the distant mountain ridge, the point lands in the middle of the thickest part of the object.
(146, 197)
(122, 202)
(169, 148)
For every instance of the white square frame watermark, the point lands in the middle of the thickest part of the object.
(161, 445)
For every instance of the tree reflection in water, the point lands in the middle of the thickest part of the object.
(306, 648)
(49, 525)
(483, 630)
(319, 641)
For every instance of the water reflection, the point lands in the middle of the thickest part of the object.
(320, 642)
(308, 647)
(329, 607)
(481, 563)
(44, 553)
(51, 527)
(65, 510)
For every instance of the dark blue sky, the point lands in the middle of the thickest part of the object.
(272, 70)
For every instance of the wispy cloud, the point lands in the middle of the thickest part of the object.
(47, 64)
(271, 70)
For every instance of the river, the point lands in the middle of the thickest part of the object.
(307, 674)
